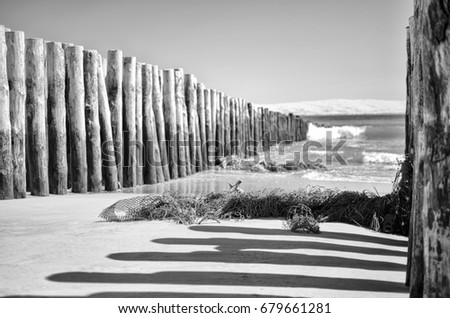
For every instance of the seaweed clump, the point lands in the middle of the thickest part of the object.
(302, 209)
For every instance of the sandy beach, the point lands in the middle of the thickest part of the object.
(57, 246)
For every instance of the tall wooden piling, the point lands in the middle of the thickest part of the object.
(232, 126)
(129, 122)
(157, 103)
(35, 109)
(202, 121)
(170, 115)
(139, 132)
(109, 167)
(56, 118)
(93, 139)
(214, 106)
(227, 127)
(208, 126)
(199, 151)
(114, 75)
(66, 96)
(190, 85)
(219, 126)
(6, 164)
(15, 42)
(153, 172)
(76, 116)
(179, 106)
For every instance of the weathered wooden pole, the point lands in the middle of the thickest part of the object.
(6, 153)
(208, 126)
(266, 131)
(214, 106)
(139, 133)
(35, 109)
(239, 128)
(232, 126)
(190, 86)
(15, 42)
(251, 116)
(76, 116)
(258, 128)
(416, 264)
(93, 139)
(129, 122)
(56, 118)
(109, 167)
(220, 126)
(202, 121)
(157, 104)
(227, 126)
(170, 115)
(431, 19)
(153, 172)
(114, 75)
(66, 97)
(179, 106)
(199, 150)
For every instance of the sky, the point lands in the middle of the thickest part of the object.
(263, 51)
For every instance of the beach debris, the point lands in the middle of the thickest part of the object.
(235, 187)
(301, 219)
(302, 209)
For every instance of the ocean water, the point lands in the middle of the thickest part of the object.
(372, 146)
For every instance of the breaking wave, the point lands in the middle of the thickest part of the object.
(337, 132)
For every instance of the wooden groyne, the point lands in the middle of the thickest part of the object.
(428, 145)
(72, 120)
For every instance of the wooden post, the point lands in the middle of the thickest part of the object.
(93, 140)
(416, 247)
(214, 106)
(129, 122)
(157, 104)
(431, 49)
(227, 125)
(139, 132)
(74, 67)
(232, 126)
(56, 118)
(66, 97)
(266, 131)
(170, 115)
(190, 84)
(15, 42)
(251, 117)
(202, 121)
(181, 140)
(35, 108)
(198, 149)
(154, 169)
(106, 134)
(219, 126)
(208, 126)
(114, 75)
(6, 162)
(239, 128)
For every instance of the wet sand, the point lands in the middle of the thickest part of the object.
(57, 246)
(218, 180)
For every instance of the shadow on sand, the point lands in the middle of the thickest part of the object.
(251, 251)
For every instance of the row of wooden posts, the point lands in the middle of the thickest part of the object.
(428, 147)
(72, 119)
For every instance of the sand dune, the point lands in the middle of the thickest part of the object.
(340, 107)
